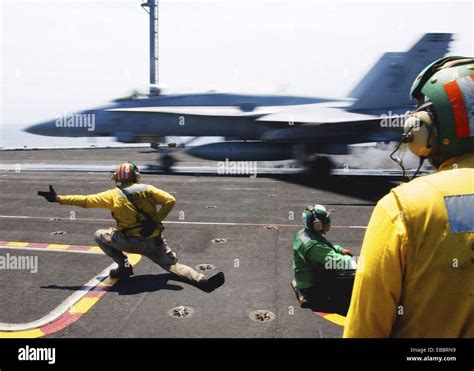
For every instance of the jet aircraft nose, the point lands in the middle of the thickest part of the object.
(45, 128)
(80, 124)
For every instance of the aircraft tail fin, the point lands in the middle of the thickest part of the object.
(388, 82)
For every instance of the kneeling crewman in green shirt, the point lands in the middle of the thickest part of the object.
(320, 267)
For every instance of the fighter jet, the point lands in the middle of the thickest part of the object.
(264, 128)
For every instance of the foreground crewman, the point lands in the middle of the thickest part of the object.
(323, 271)
(139, 229)
(417, 255)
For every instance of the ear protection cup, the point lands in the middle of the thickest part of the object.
(317, 225)
(420, 134)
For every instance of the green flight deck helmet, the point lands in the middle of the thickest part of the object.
(314, 216)
(446, 89)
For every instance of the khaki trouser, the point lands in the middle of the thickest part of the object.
(113, 243)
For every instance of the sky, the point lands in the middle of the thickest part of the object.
(63, 56)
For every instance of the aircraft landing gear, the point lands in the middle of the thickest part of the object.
(166, 162)
(320, 166)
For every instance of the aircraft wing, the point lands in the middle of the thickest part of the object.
(328, 125)
(348, 132)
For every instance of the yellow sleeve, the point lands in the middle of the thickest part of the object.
(165, 200)
(379, 277)
(99, 200)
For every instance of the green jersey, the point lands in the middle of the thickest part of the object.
(312, 252)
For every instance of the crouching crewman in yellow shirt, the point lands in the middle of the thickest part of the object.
(139, 229)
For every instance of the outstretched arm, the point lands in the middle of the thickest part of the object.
(102, 200)
(99, 200)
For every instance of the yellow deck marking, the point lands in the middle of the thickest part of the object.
(57, 246)
(336, 318)
(18, 244)
(26, 334)
(83, 305)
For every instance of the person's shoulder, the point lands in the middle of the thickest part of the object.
(304, 236)
(421, 187)
(413, 194)
(147, 187)
(391, 203)
(111, 191)
(315, 240)
(160, 192)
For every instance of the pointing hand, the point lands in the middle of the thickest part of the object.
(51, 196)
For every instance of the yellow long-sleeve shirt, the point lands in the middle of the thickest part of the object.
(416, 272)
(145, 196)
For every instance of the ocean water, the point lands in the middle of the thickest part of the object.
(16, 138)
